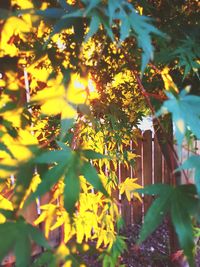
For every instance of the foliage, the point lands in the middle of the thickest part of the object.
(179, 106)
(181, 203)
(71, 100)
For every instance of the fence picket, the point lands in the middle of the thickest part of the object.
(126, 205)
(157, 162)
(137, 205)
(147, 165)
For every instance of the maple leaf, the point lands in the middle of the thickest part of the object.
(128, 186)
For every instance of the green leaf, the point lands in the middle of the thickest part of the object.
(190, 163)
(9, 214)
(4, 13)
(63, 4)
(8, 167)
(75, 14)
(51, 13)
(71, 190)
(94, 26)
(37, 236)
(91, 175)
(155, 214)
(182, 203)
(54, 156)
(66, 124)
(183, 225)
(143, 28)
(10, 105)
(45, 259)
(90, 154)
(113, 6)
(188, 54)
(179, 107)
(49, 179)
(59, 26)
(107, 27)
(62, 145)
(15, 235)
(120, 223)
(9, 234)
(91, 5)
(23, 180)
(155, 189)
(23, 249)
(187, 193)
(3, 147)
(125, 28)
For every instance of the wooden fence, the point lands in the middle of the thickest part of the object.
(150, 168)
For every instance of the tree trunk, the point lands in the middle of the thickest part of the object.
(164, 133)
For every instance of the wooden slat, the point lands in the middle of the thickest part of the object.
(115, 186)
(137, 205)
(30, 212)
(167, 176)
(157, 162)
(126, 205)
(147, 165)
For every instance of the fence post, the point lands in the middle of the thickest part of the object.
(147, 165)
(137, 205)
(157, 162)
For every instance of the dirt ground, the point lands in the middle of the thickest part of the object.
(154, 252)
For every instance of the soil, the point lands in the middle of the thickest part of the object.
(154, 252)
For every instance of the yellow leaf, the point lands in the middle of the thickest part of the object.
(48, 216)
(56, 98)
(40, 71)
(128, 186)
(2, 218)
(23, 4)
(106, 237)
(13, 26)
(13, 116)
(85, 223)
(131, 156)
(58, 191)
(62, 251)
(92, 90)
(36, 180)
(84, 184)
(11, 79)
(68, 263)
(76, 92)
(101, 236)
(18, 147)
(41, 218)
(69, 231)
(168, 82)
(111, 237)
(63, 219)
(5, 204)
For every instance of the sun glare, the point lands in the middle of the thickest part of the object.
(91, 86)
